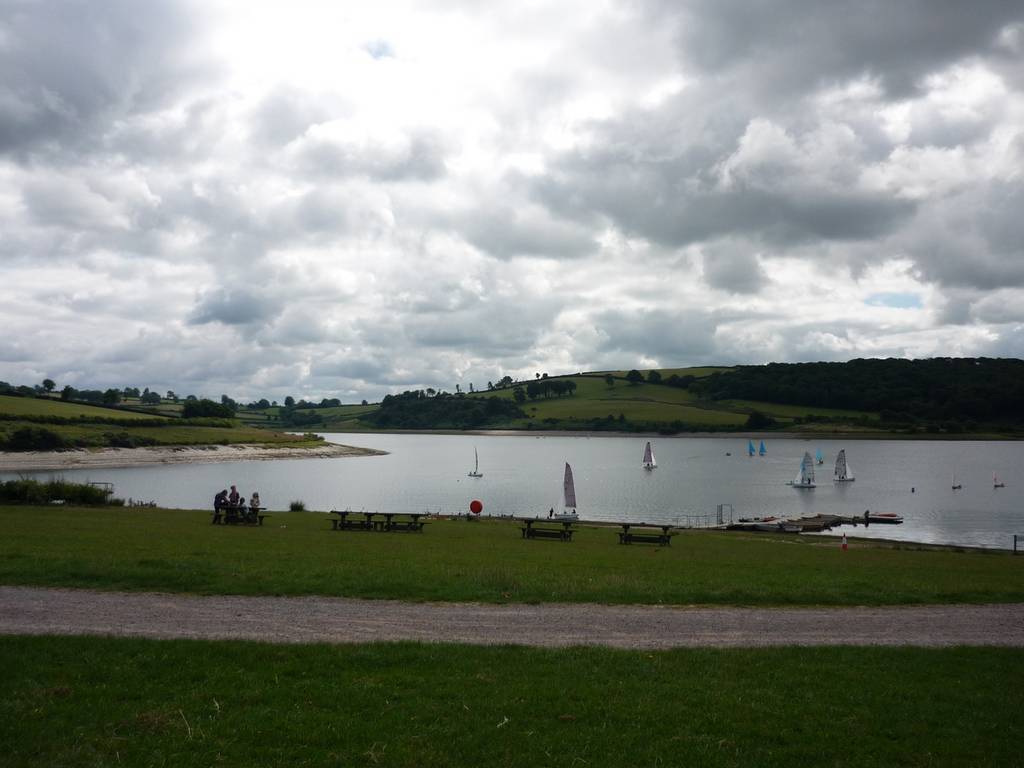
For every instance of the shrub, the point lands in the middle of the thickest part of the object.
(35, 439)
(297, 506)
(27, 491)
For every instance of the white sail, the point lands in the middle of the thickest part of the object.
(843, 472)
(569, 489)
(476, 464)
(805, 477)
(649, 462)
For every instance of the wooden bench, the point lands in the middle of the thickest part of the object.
(531, 531)
(384, 522)
(646, 535)
(232, 517)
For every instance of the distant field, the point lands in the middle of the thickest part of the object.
(31, 406)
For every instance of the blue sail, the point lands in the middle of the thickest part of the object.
(750, 447)
(762, 450)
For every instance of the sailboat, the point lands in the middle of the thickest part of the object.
(569, 497)
(476, 465)
(843, 472)
(996, 482)
(819, 457)
(762, 450)
(805, 477)
(649, 462)
(956, 486)
(750, 448)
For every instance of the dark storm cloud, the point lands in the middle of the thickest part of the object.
(731, 267)
(667, 336)
(788, 47)
(235, 306)
(70, 68)
(523, 230)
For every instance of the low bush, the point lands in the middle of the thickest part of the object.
(297, 506)
(27, 491)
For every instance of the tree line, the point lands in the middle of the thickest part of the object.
(966, 392)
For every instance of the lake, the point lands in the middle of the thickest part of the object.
(522, 476)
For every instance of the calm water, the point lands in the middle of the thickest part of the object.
(523, 476)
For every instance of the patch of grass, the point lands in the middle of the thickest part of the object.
(32, 406)
(91, 701)
(298, 554)
(791, 411)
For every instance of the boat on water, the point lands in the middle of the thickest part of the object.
(890, 518)
(843, 473)
(819, 456)
(750, 448)
(762, 450)
(568, 498)
(476, 465)
(956, 486)
(648, 461)
(996, 482)
(805, 477)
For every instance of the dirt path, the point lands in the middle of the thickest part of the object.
(30, 610)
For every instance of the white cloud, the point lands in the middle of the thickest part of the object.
(332, 198)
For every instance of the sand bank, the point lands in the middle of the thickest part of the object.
(108, 458)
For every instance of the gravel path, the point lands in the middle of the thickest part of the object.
(30, 610)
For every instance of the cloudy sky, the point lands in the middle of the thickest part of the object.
(330, 199)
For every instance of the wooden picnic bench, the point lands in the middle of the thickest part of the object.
(563, 531)
(235, 516)
(647, 534)
(385, 522)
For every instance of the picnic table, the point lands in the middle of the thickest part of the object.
(386, 522)
(561, 530)
(646, 534)
(238, 515)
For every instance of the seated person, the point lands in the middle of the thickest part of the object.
(233, 497)
(254, 503)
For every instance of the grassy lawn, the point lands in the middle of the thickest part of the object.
(297, 553)
(89, 702)
(31, 406)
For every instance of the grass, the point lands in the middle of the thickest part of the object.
(32, 406)
(88, 702)
(298, 554)
(173, 434)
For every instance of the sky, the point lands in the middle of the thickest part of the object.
(331, 199)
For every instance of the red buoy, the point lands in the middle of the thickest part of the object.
(476, 506)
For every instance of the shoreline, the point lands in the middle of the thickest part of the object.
(924, 437)
(119, 458)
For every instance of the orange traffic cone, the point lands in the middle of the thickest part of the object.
(844, 542)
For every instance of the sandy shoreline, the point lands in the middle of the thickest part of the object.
(109, 458)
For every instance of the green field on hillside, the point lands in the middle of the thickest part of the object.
(73, 701)
(34, 406)
(487, 560)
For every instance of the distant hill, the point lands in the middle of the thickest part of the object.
(937, 396)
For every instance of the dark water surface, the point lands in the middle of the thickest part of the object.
(523, 476)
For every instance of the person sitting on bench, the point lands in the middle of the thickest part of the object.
(254, 502)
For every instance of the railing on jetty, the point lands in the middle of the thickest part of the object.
(722, 516)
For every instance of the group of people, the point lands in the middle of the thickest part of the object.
(234, 501)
